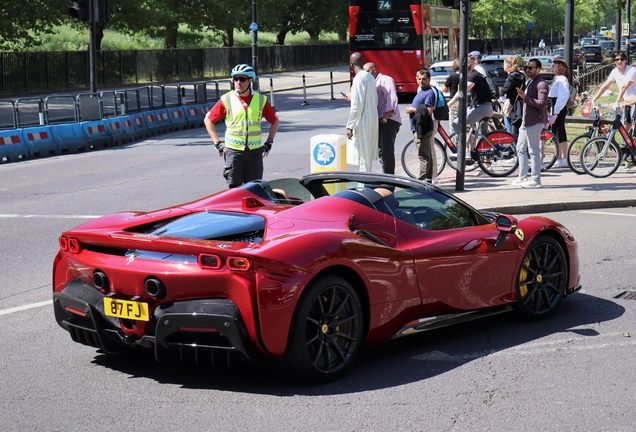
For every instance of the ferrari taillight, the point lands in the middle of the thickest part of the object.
(208, 261)
(70, 244)
(238, 263)
(74, 245)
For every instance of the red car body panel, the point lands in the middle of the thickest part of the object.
(407, 274)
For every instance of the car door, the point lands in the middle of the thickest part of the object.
(455, 258)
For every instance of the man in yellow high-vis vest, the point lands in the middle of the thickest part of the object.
(244, 110)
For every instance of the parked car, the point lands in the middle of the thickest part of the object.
(302, 274)
(439, 72)
(593, 53)
(578, 59)
(588, 41)
(608, 47)
(494, 66)
(546, 67)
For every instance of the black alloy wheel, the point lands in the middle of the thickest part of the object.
(542, 279)
(327, 330)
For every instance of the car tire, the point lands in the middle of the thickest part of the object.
(327, 331)
(542, 278)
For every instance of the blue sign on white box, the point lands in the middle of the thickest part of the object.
(324, 153)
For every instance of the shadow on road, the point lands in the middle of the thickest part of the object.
(401, 361)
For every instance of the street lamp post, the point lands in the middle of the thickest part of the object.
(501, 33)
(552, 28)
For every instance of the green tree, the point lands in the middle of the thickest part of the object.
(21, 22)
(487, 15)
(294, 16)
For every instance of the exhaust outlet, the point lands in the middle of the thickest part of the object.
(100, 280)
(155, 288)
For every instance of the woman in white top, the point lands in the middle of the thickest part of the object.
(559, 95)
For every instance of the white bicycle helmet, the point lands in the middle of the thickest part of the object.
(244, 69)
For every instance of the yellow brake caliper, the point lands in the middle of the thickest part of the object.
(523, 275)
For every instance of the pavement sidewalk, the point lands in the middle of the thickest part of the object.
(562, 190)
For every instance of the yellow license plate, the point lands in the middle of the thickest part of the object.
(126, 309)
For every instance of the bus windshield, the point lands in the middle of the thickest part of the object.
(383, 24)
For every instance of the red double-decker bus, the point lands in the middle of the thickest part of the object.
(401, 36)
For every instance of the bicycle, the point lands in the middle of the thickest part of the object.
(411, 160)
(597, 129)
(495, 153)
(601, 156)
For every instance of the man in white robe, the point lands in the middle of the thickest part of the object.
(363, 124)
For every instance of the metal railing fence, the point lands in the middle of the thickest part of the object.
(23, 72)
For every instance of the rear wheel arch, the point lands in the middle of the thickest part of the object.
(326, 337)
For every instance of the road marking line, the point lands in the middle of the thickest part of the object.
(25, 307)
(15, 216)
(608, 213)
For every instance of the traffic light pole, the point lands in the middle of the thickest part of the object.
(464, 13)
(92, 46)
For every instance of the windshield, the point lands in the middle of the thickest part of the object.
(382, 25)
(441, 70)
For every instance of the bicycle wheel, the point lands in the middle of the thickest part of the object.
(599, 159)
(411, 160)
(549, 150)
(498, 154)
(451, 158)
(574, 152)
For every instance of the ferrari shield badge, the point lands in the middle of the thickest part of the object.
(519, 234)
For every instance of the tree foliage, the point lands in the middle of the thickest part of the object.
(546, 15)
(21, 22)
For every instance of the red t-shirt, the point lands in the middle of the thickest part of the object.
(218, 110)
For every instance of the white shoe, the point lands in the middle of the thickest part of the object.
(560, 164)
(531, 184)
(434, 181)
(518, 181)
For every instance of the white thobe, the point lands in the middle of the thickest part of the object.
(362, 149)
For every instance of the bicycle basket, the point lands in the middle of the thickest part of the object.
(589, 110)
(607, 114)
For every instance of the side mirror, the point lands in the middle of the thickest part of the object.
(506, 225)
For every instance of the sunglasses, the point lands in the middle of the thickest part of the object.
(620, 59)
(530, 67)
(240, 79)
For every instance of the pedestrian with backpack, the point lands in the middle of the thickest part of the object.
(424, 125)
(513, 114)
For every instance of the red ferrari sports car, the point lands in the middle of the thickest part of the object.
(305, 272)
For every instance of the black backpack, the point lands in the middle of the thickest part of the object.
(494, 88)
(440, 112)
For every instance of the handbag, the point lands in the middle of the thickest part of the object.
(507, 107)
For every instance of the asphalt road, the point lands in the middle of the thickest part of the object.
(573, 371)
